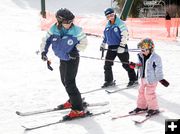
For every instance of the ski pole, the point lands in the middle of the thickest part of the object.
(129, 50)
(48, 62)
(134, 50)
(102, 55)
(88, 57)
(49, 65)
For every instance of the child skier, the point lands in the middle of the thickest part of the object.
(150, 69)
(67, 40)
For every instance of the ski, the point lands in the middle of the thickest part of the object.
(101, 88)
(91, 91)
(57, 109)
(146, 118)
(120, 89)
(142, 121)
(127, 115)
(61, 121)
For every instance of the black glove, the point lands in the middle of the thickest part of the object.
(43, 56)
(73, 54)
(164, 82)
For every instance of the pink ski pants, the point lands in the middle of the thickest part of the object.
(147, 96)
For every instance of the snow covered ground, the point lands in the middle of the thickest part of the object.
(26, 84)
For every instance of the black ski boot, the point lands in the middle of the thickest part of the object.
(151, 112)
(108, 84)
(132, 83)
(137, 110)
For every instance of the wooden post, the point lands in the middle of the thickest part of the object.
(43, 9)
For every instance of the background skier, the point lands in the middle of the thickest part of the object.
(116, 36)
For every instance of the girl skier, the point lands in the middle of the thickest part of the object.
(150, 69)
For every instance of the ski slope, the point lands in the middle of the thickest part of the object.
(26, 84)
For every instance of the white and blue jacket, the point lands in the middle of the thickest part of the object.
(64, 41)
(115, 34)
(153, 68)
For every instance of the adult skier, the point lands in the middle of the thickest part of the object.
(67, 40)
(116, 37)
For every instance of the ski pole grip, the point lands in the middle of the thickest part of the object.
(102, 54)
(49, 65)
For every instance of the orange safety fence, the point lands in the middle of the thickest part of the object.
(155, 28)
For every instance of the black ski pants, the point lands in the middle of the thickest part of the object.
(124, 58)
(68, 71)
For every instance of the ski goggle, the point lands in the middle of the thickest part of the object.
(110, 15)
(67, 21)
(144, 50)
(145, 46)
(63, 20)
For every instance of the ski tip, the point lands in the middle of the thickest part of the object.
(108, 91)
(113, 118)
(25, 128)
(136, 122)
(18, 113)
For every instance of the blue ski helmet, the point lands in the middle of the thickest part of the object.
(108, 11)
